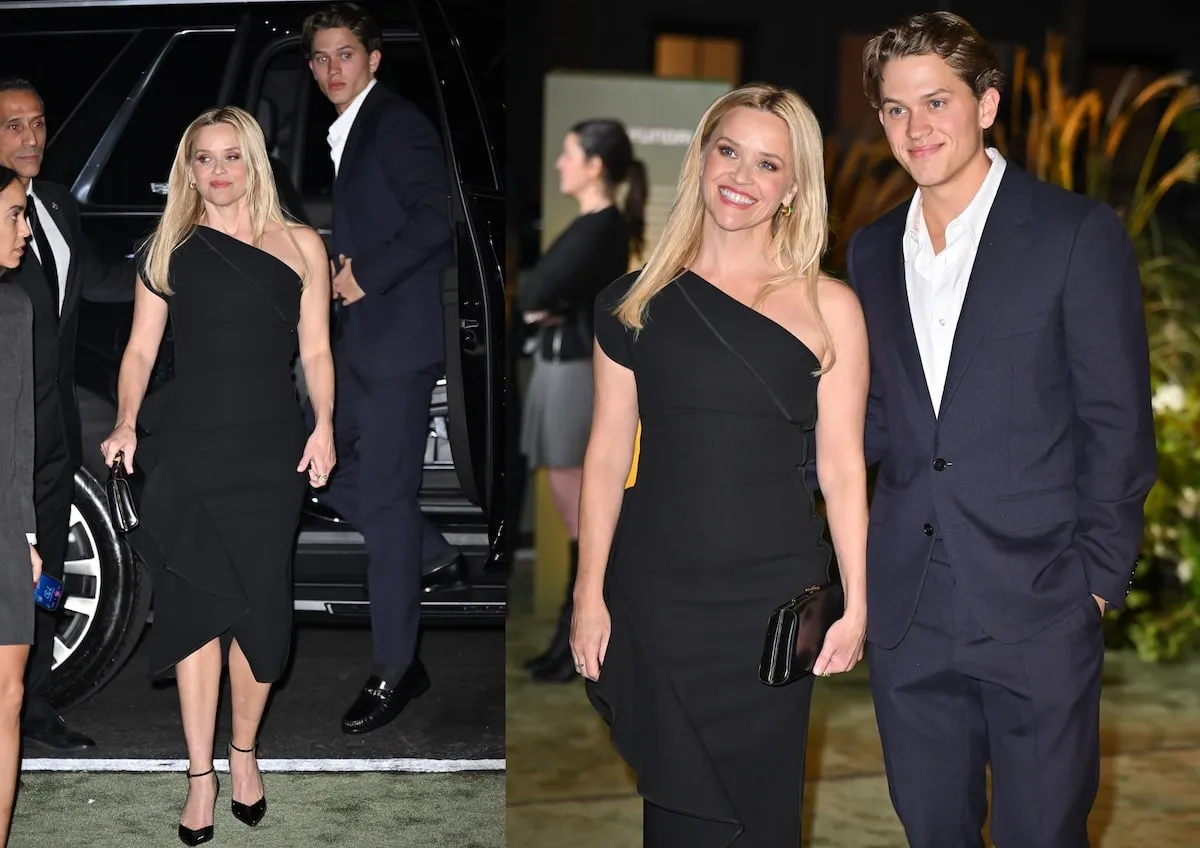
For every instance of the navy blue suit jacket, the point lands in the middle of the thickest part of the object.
(1036, 469)
(391, 216)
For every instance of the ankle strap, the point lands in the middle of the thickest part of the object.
(199, 773)
(244, 750)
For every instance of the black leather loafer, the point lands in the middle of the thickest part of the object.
(381, 700)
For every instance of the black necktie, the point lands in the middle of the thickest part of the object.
(45, 254)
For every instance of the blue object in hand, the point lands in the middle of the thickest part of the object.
(48, 592)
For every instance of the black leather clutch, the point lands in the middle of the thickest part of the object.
(796, 631)
(120, 497)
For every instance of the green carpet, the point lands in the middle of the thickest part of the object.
(98, 810)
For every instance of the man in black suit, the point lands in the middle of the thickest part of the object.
(392, 238)
(52, 273)
(1010, 414)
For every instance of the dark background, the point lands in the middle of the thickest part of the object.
(796, 44)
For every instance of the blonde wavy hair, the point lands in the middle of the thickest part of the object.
(798, 240)
(185, 208)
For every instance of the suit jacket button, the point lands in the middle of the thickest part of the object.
(928, 529)
(939, 464)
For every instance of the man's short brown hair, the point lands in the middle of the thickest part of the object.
(349, 16)
(939, 34)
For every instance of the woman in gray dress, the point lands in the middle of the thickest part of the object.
(596, 161)
(17, 526)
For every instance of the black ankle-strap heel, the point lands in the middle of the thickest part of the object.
(205, 834)
(249, 814)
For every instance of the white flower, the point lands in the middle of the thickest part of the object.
(1189, 499)
(1169, 397)
(1185, 571)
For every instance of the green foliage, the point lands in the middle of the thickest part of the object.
(1082, 143)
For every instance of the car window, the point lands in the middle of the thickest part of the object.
(280, 106)
(484, 56)
(492, 91)
(35, 57)
(186, 82)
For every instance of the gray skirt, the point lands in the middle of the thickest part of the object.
(16, 591)
(558, 413)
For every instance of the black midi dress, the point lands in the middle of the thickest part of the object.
(718, 530)
(222, 500)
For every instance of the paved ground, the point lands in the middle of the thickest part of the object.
(460, 718)
(566, 786)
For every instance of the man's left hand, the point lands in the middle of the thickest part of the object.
(344, 284)
(1101, 602)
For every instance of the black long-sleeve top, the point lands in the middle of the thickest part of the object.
(588, 255)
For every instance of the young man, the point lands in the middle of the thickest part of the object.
(1010, 414)
(53, 273)
(392, 239)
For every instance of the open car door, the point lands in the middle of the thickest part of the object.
(473, 288)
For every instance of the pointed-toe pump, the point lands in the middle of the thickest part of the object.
(204, 834)
(249, 814)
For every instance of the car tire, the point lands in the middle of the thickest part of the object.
(107, 600)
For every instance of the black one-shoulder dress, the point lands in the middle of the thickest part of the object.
(717, 531)
(222, 500)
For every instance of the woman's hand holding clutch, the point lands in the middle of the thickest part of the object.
(122, 442)
(590, 629)
(319, 456)
(843, 647)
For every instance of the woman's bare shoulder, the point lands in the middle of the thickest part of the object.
(304, 236)
(837, 299)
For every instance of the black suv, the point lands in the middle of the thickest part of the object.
(121, 81)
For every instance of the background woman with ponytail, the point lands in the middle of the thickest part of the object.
(596, 162)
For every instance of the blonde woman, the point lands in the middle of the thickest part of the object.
(719, 528)
(227, 457)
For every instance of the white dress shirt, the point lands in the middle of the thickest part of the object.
(937, 283)
(339, 130)
(58, 244)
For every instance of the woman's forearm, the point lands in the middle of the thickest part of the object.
(601, 495)
(318, 378)
(847, 513)
(132, 381)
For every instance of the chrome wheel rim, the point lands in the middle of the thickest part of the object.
(83, 584)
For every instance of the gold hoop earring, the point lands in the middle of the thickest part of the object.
(786, 211)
